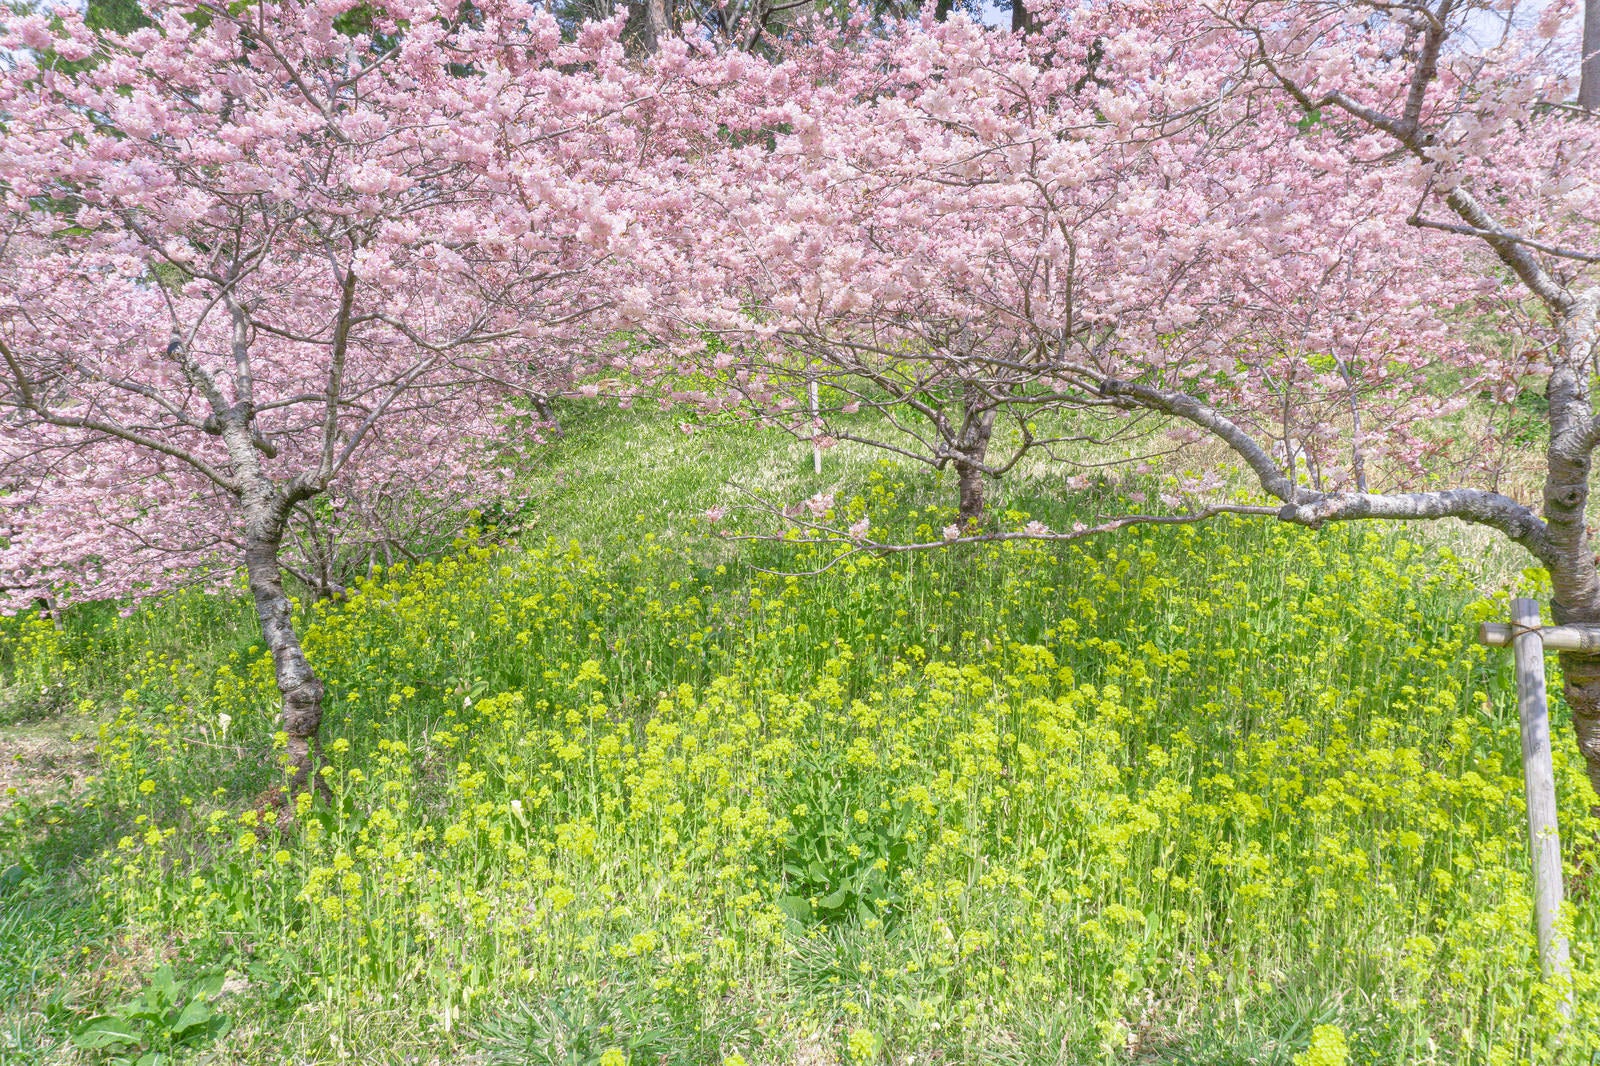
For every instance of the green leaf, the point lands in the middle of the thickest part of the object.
(163, 983)
(139, 1011)
(122, 16)
(105, 1031)
(196, 1014)
(795, 907)
(834, 900)
(209, 986)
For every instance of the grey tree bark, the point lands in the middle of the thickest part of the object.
(657, 26)
(971, 450)
(970, 490)
(298, 684)
(266, 508)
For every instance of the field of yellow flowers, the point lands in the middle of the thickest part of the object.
(615, 793)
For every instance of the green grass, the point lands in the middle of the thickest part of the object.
(1177, 796)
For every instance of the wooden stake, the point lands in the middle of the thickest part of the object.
(816, 407)
(1538, 776)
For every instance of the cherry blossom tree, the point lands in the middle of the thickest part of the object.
(1502, 180)
(874, 242)
(744, 25)
(1334, 239)
(961, 221)
(251, 255)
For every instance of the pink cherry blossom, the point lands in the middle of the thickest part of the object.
(249, 259)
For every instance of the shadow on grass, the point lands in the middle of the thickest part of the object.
(48, 930)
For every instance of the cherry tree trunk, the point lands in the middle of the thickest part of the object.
(547, 414)
(1576, 586)
(969, 482)
(970, 448)
(1580, 683)
(1022, 19)
(48, 609)
(298, 683)
(657, 26)
(1569, 554)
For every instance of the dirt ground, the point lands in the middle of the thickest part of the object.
(45, 758)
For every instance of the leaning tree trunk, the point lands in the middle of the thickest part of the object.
(297, 682)
(1580, 676)
(1580, 681)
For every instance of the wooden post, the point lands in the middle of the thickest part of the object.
(816, 408)
(1539, 779)
(1555, 638)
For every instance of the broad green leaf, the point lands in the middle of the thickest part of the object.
(795, 907)
(104, 1032)
(209, 986)
(834, 899)
(163, 983)
(196, 1014)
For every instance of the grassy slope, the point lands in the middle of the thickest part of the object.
(1015, 939)
(614, 471)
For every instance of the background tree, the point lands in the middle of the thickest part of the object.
(119, 16)
(1336, 238)
(894, 244)
(744, 25)
(251, 255)
(960, 222)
